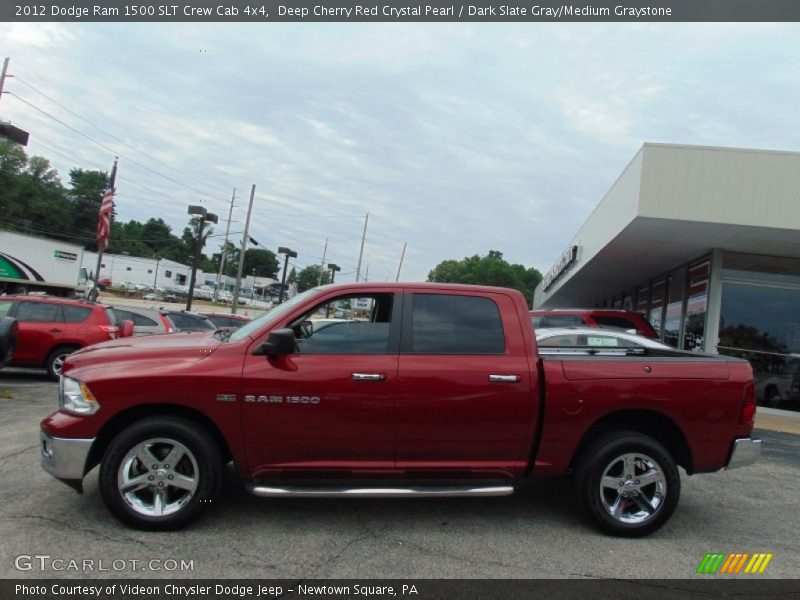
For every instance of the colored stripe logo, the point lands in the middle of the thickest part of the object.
(735, 563)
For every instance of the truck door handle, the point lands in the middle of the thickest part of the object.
(55, 330)
(504, 378)
(369, 376)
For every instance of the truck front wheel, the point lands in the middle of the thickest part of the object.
(160, 473)
(628, 483)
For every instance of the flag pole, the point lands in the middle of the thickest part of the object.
(102, 245)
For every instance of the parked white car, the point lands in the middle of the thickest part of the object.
(592, 338)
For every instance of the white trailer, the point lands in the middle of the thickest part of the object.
(35, 264)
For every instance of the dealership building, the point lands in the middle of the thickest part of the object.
(706, 242)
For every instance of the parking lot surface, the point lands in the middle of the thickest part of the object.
(535, 533)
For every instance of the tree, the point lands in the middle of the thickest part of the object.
(86, 193)
(263, 261)
(308, 278)
(491, 269)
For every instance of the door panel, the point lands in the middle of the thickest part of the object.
(41, 324)
(451, 416)
(338, 422)
(329, 406)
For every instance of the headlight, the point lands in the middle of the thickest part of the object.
(74, 396)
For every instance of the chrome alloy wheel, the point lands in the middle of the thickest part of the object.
(58, 363)
(633, 488)
(158, 477)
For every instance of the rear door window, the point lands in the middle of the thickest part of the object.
(39, 312)
(76, 314)
(451, 324)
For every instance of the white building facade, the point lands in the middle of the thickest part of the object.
(156, 273)
(705, 242)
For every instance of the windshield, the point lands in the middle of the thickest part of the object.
(257, 324)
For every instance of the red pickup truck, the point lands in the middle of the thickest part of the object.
(414, 390)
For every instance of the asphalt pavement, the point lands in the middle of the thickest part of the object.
(535, 533)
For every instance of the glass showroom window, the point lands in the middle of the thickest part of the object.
(761, 322)
(696, 305)
(657, 301)
(674, 311)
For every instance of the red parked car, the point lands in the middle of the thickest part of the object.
(422, 390)
(593, 317)
(52, 328)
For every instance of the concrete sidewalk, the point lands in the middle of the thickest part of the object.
(778, 420)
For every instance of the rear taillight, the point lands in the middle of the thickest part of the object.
(748, 414)
(111, 330)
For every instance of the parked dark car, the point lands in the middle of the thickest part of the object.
(226, 319)
(146, 321)
(181, 320)
(52, 328)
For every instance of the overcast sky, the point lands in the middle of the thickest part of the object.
(457, 138)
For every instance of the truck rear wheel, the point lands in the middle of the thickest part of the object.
(160, 473)
(628, 483)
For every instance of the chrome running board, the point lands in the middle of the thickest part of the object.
(266, 491)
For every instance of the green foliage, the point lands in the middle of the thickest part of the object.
(491, 269)
(308, 278)
(264, 262)
(35, 202)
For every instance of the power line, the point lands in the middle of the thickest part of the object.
(111, 150)
(108, 133)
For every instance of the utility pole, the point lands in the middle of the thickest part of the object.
(3, 76)
(400, 266)
(155, 279)
(322, 264)
(243, 250)
(224, 246)
(361, 253)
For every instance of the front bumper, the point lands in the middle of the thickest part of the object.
(745, 452)
(65, 458)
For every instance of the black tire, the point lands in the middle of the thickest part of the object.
(203, 464)
(56, 358)
(604, 456)
(772, 397)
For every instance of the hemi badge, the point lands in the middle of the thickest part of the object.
(226, 397)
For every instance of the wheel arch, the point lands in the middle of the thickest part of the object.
(128, 417)
(648, 422)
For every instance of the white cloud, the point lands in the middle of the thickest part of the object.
(458, 138)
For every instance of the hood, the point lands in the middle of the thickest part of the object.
(173, 348)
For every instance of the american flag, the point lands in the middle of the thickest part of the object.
(106, 208)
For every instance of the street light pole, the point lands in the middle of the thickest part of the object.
(287, 253)
(205, 217)
(333, 267)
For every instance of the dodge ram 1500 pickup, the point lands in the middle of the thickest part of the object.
(419, 390)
